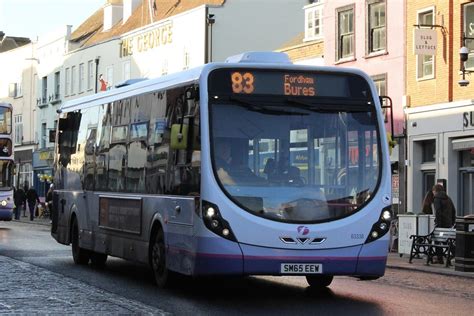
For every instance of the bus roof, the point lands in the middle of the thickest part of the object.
(273, 60)
(6, 105)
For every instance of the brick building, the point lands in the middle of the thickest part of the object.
(439, 106)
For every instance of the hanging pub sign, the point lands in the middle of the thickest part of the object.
(425, 41)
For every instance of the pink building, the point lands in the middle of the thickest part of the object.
(369, 35)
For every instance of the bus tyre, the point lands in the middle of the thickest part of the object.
(162, 275)
(319, 281)
(80, 255)
(98, 259)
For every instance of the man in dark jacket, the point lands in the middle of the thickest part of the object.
(445, 213)
(32, 198)
(19, 198)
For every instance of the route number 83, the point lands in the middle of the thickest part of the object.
(242, 83)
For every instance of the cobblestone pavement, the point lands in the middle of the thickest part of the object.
(27, 289)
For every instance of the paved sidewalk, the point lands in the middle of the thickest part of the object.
(36, 220)
(27, 289)
(396, 262)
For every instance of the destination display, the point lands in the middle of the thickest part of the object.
(287, 83)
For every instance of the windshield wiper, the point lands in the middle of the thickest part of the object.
(263, 109)
(332, 105)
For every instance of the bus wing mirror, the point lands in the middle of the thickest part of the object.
(179, 136)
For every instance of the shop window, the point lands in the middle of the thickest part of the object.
(428, 150)
(467, 158)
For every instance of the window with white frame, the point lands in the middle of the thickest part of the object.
(43, 135)
(73, 79)
(15, 89)
(82, 77)
(469, 33)
(425, 63)
(345, 32)
(44, 90)
(381, 85)
(67, 85)
(18, 129)
(314, 21)
(376, 25)
(164, 67)
(110, 76)
(57, 84)
(90, 75)
(186, 60)
(126, 70)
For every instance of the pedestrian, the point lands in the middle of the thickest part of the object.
(32, 199)
(427, 207)
(25, 189)
(445, 213)
(49, 200)
(19, 199)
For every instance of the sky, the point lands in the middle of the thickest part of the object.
(32, 18)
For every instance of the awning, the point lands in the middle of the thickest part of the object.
(463, 143)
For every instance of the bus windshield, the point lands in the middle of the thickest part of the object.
(295, 160)
(5, 120)
(6, 175)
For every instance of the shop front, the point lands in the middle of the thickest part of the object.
(441, 150)
(42, 171)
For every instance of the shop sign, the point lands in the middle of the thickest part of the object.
(425, 41)
(160, 36)
(46, 155)
(468, 120)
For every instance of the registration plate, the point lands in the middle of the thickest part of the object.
(301, 268)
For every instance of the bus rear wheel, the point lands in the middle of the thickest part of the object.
(79, 255)
(163, 277)
(319, 281)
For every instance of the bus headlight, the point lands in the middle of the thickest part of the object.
(382, 226)
(214, 222)
(3, 203)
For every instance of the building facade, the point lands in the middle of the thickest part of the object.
(440, 107)
(354, 33)
(18, 87)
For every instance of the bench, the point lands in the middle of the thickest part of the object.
(443, 239)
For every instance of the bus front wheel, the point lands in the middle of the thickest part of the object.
(79, 255)
(319, 281)
(162, 275)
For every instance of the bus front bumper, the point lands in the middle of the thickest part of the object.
(6, 214)
(222, 257)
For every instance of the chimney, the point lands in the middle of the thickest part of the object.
(128, 7)
(113, 13)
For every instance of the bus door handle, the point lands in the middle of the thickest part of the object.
(177, 208)
(63, 202)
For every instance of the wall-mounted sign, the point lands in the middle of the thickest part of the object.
(425, 41)
(468, 119)
(160, 36)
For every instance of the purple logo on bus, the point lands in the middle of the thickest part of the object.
(303, 230)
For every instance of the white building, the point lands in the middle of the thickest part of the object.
(17, 86)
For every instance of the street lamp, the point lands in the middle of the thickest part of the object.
(464, 55)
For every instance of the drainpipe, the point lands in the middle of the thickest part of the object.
(450, 51)
(97, 73)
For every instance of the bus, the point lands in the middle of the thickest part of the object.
(305, 190)
(6, 163)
